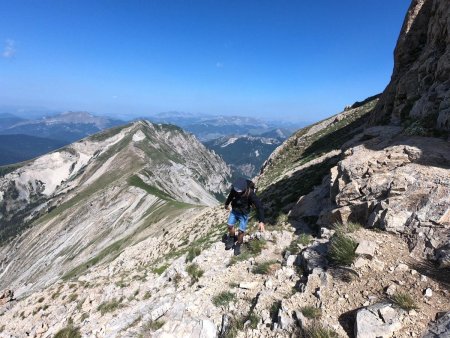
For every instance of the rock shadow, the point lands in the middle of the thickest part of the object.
(431, 270)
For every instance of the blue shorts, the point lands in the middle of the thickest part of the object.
(238, 217)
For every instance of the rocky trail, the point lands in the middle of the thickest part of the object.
(281, 284)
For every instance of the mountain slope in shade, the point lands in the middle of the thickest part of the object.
(245, 154)
(88, 201)
(18, 148)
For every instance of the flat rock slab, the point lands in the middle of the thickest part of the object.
(366, 248)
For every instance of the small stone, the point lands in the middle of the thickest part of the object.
(366, 303)
(346, 296)
(428, 292)
(291, 260)
(400, 282)
(377, 265)
(413, 272)
(391, 268)
(390, 291)
(402, 267)
(360, 262)
(423, 278)
(412, 313)
(268, 284)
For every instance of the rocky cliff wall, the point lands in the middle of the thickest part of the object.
(420, 83)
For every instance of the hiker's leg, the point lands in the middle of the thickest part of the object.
(243, 220)
(232, 219)
(240, 237)
(231, 231)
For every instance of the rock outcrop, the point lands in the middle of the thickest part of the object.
(420, 85)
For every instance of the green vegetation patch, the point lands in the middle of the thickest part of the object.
(317, 330)
(342, 249)
(153, 325)
(223, 298)
(6, 169)
(68, 332)
(299, 150)
(404, 301)
(347, 227)
(302, 240)
(195, 272)
(264, 268)
(110, 306)
(160, 269)
(193, 252)
(311, 312)
(248, 250)
(136, 181)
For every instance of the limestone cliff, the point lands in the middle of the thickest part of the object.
(420, 83)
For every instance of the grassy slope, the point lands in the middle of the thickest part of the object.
(279, 190)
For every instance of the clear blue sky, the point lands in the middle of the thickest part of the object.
(274, 59)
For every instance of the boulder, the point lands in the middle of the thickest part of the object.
(378, 320)
(440, 328)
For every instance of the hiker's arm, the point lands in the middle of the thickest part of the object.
(229, 198)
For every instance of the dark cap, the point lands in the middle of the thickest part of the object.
(240, 184)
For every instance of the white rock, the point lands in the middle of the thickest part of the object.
(248, 285)
(291, 260)
(402, 267)
(269, 284)
(428, 292)
(371, 324)
(391, 290)
(366, 248)
(360, 262)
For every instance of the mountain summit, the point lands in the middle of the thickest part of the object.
(104, 191)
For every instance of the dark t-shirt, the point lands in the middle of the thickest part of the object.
(241, 203)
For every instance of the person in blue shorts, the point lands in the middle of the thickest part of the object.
(242, 197)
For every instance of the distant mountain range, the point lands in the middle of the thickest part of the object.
(67, 126)
(24, 138)
(209, 127)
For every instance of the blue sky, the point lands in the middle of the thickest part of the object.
(302, 60)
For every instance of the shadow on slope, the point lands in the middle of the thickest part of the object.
(429, 269)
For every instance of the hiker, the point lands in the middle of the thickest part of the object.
(242, 196)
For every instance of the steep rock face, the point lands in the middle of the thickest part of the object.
(420, 84)
(84, 204)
